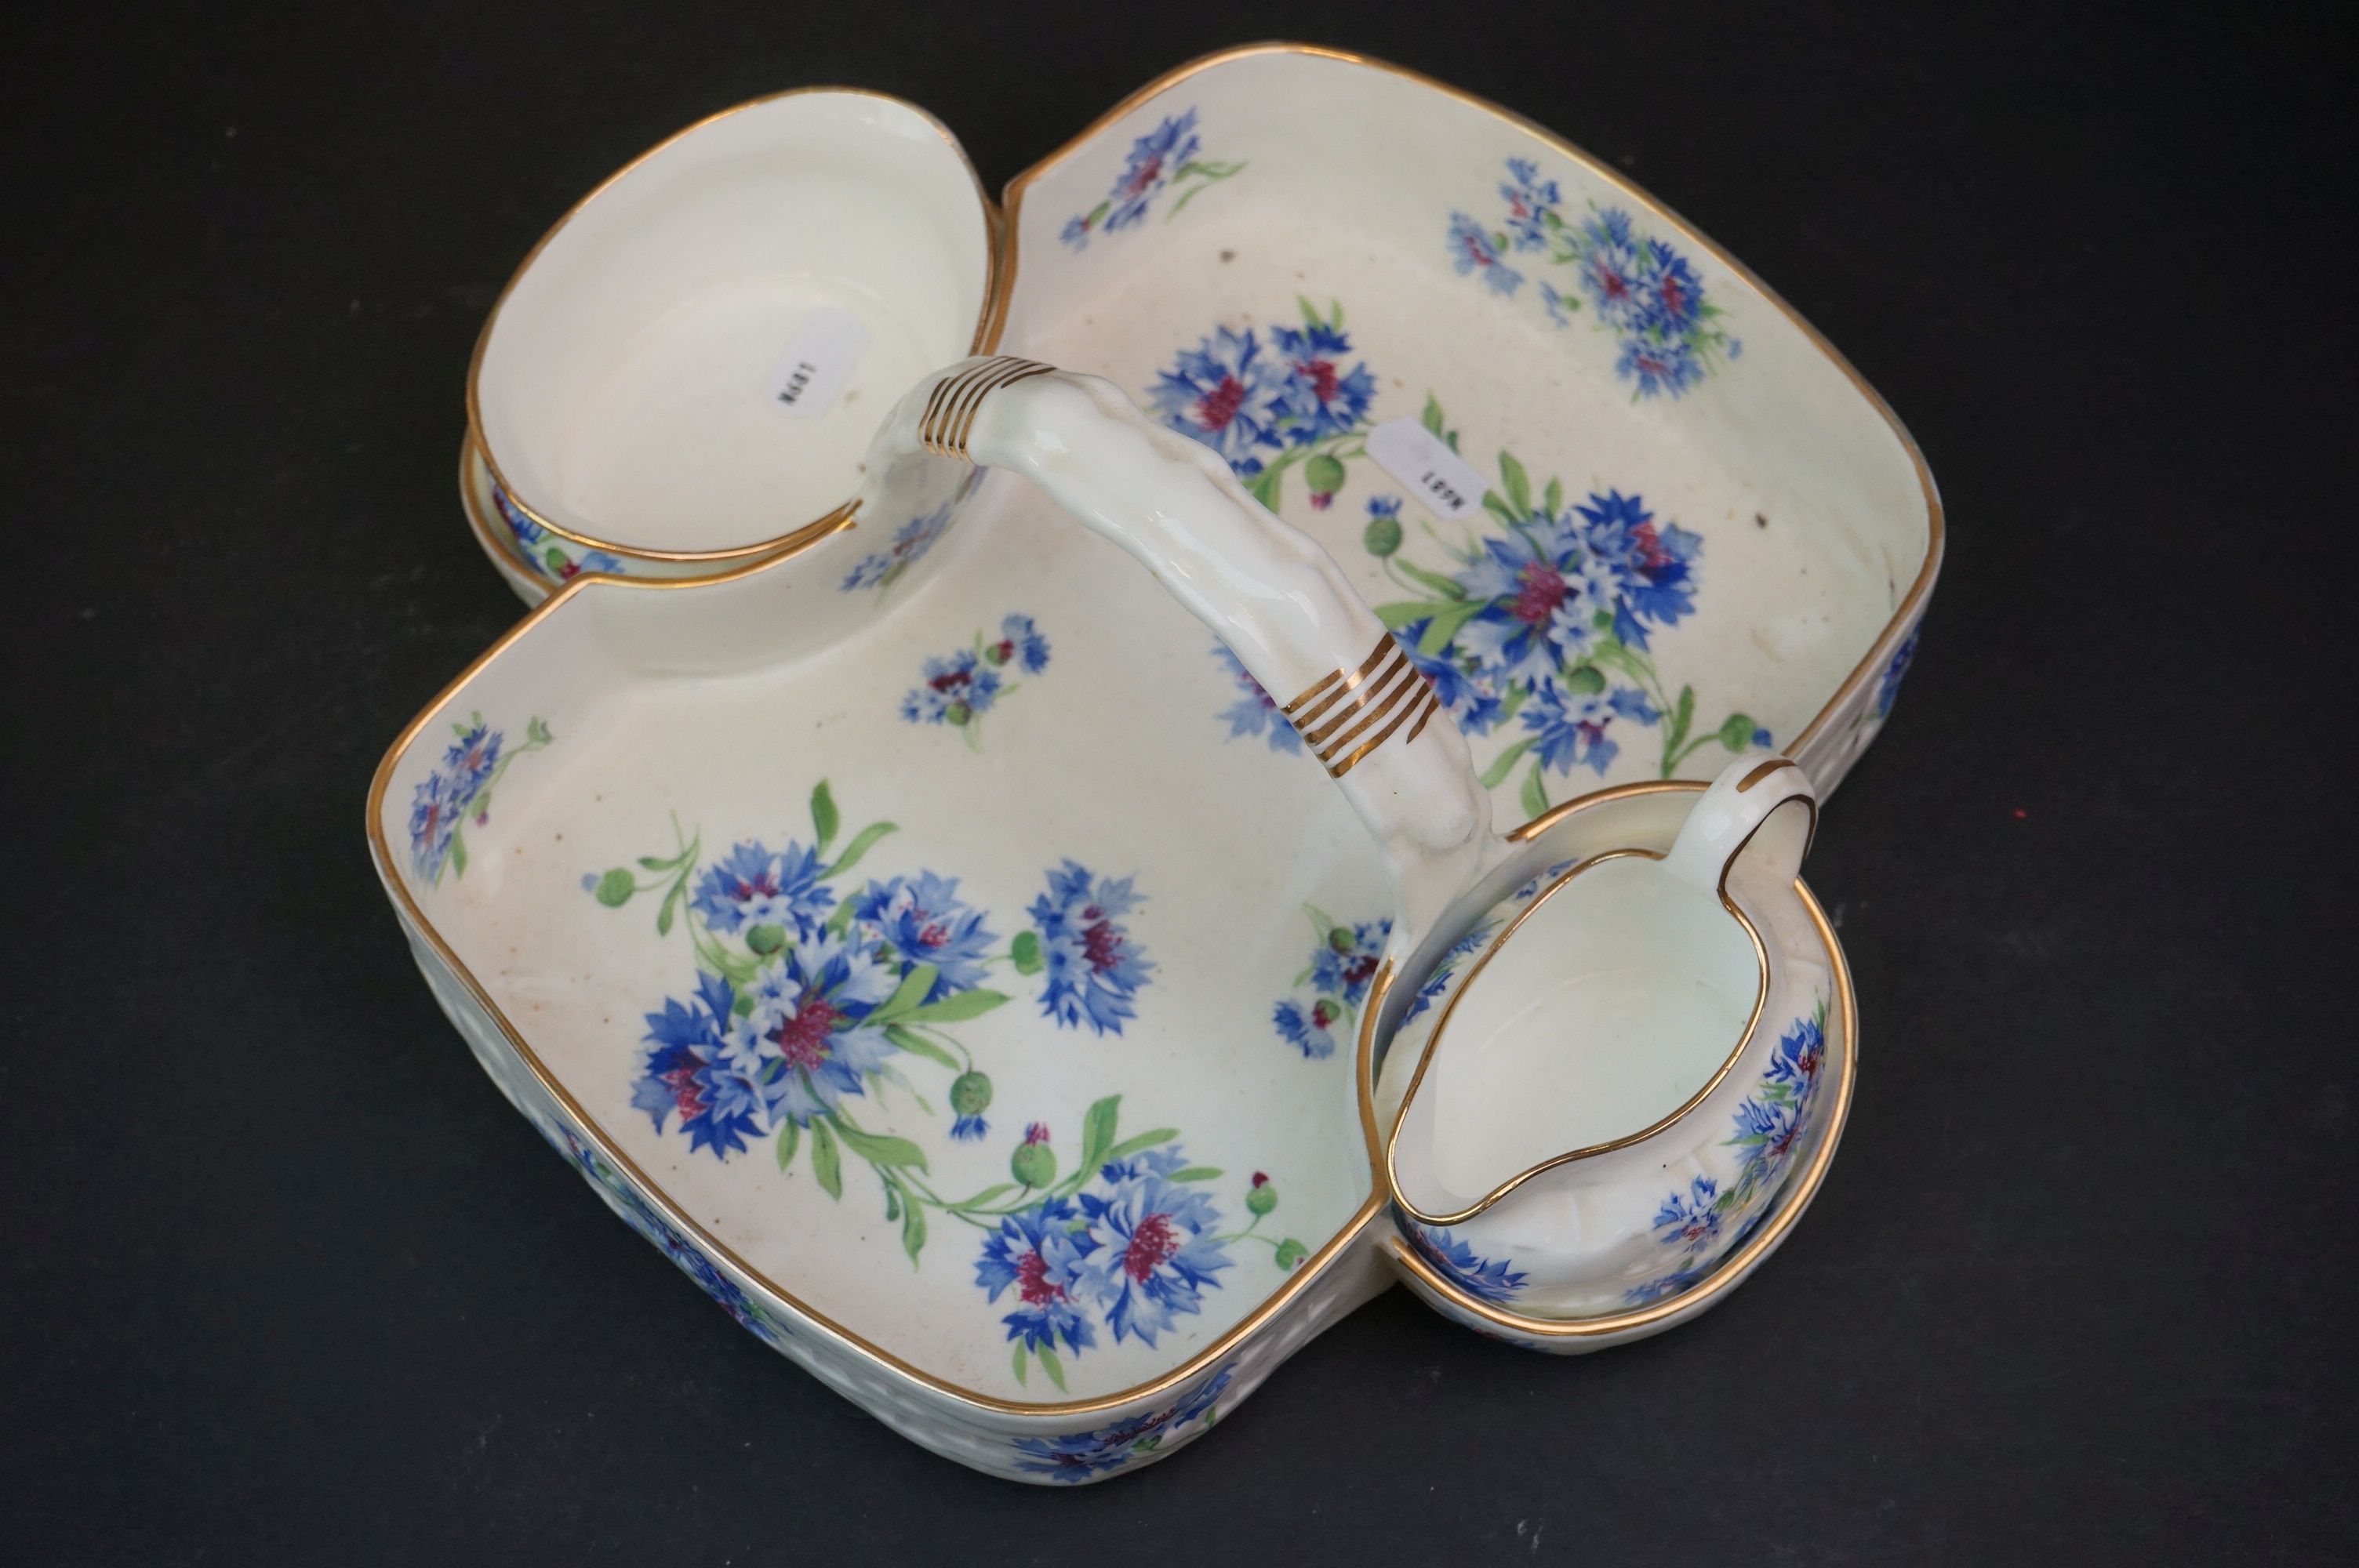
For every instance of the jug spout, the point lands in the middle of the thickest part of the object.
(1606, 1007)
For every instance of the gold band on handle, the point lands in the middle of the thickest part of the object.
(950, 414)
(1334, 712)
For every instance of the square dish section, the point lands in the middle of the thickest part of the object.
(1004, 1043)
(1632, 515)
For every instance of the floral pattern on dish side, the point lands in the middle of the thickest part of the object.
(961, 686)
(642, 1216)
(809, 998)
(880, 570)
(1093, 969)
(1547, 621)
(460, 788)
(1256, 712)
(1534, 623)
(1770, 1125)
(1164, 158)
(1343, 965)
(1269, 408)
(1640, 289)
(1454, 1258)
(557, 559)
(1895, 670)
(1127, 1243)
(1085, 1455)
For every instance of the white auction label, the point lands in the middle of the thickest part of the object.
(821, 358)
(1445, 483)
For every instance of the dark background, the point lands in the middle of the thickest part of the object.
(281, 1277)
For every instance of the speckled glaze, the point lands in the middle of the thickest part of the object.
(1111, 851)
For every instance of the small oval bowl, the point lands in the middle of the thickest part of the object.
(1645, 1164)
(628, 391)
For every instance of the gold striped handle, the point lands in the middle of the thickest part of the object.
(949, 412)
(1344, 716)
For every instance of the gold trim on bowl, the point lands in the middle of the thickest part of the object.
(1733, 1268)
(1433, 1042)
(802, 535)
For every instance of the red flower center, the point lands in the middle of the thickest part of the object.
(951, 680)
(1151, 1246)
(1032, 1281)
(1144, 176)
(1651, 554)
(932, 935)
(764, 886)
(1476, 251)
(1674, 296)
(685, 1092)
(1220, 404)
(802, 1039)
(1322, 377)
(1102, 943)
(1542, 588)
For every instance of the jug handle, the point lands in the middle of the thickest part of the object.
(1724, 822)
(1268, 592)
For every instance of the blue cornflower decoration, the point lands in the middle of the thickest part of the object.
(1155, 158)
(1306, 1028)
(1077, 1456)
(435, 813)
(1800, 1052)
(1473, 250)
(914, 539)
(1612, 271)
(751, 886)
(1659, 366)
(471, 759)
(1092, 968)
(959, 688)
(1470, 698)
(1531, 200)
(1226, 393)
(680, 1072)
(1447, 969)
(1255, 713)
(1653, 569)
(1020, 646)
(1569, 726)
(1039, 1254)
(1347, 960)
(804, 1045)
(1459, 1263)
(1896, 670)
(1154, 1246)
(923, 921)
(1690, 1219)
(1320, 398)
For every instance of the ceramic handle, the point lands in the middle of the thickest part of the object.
(1266, 590)
(1725, 820)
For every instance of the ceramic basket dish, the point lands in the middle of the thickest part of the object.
(1117, 1148)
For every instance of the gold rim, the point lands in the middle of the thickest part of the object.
(501, 557)
(1434, 1041)
(1903, 615)
(1729, 1271)
(415, 919)
(1001, 264)
(805, 533)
